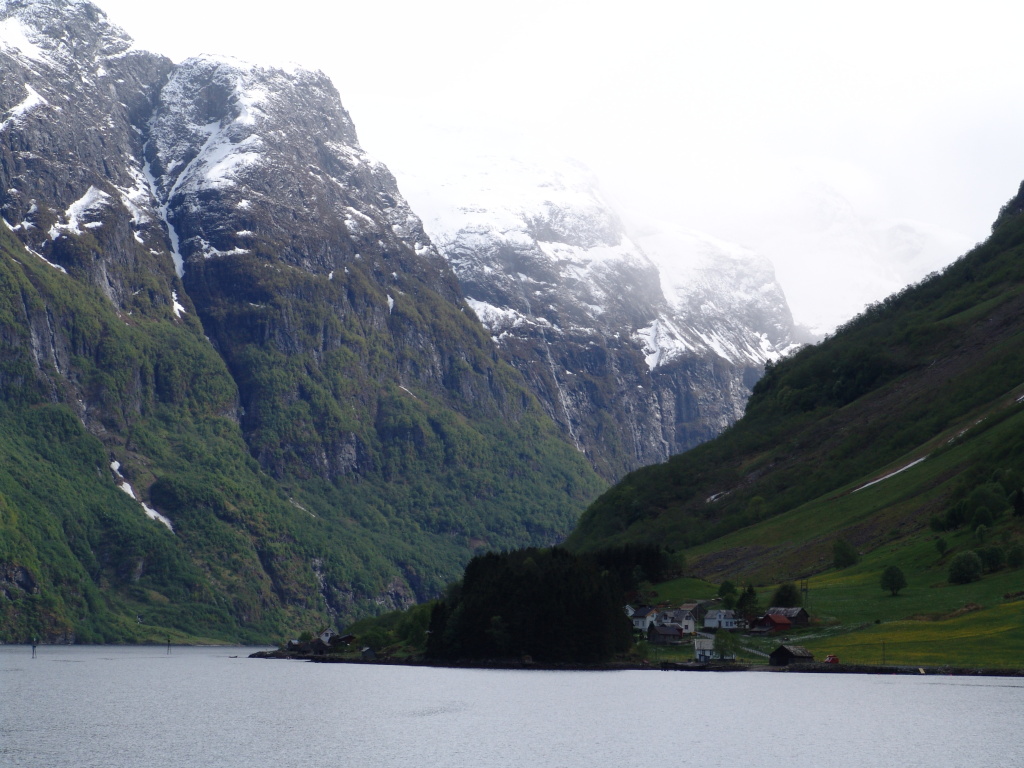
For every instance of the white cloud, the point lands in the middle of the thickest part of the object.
(718, 116)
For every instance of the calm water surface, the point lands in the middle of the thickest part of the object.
(113, 707)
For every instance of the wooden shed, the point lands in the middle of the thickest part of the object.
(798, 617)
(790, 654)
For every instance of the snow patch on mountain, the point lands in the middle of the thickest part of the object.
(89, 203)
(16, 38)
(27, 33)
(31, 103)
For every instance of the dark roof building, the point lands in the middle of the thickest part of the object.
(790, 654)
(772, 622)
(798, 617)
(664, 636)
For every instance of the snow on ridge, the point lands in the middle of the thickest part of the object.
(176, 306)
(496, 319)
(135, 198)
(662, 341)
(92, 200)
(32, 102)
(40, 34)
(34, 253)
(16, 36)
(124, 485)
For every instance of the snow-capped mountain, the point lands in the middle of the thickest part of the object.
(639, 346)
(212, 293)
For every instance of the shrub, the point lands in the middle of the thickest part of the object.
(992, 558)
(844, 554)
(941, 546)
(965, 568)
(1015, 556)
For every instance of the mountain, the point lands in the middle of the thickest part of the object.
(903, 423)
(240, 390)
(640, 345)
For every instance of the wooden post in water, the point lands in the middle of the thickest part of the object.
(33, 647)
(168, 645)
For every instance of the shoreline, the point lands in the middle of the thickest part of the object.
(667, 666)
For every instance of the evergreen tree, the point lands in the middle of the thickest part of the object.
(746, 604)
(786, 596)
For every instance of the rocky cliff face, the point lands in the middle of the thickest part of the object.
(640, 346)
(237, 303)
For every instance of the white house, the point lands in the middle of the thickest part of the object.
(704, 649)
(642, 616)
(682, 620)
(721, 619)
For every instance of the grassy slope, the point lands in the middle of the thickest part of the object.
(252, 557)
(911, 370)
(934, 372)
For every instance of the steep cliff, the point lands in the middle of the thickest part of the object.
(640, 345)
(281, 402)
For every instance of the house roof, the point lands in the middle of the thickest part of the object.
(797, 651)
(673, 631)
(679, 615)
(777, 619)
(789, 612)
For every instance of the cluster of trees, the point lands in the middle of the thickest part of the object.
(548, 604)
(969, 566)
(984, 505)
(743, 602)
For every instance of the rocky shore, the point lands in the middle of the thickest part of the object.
(667, 666)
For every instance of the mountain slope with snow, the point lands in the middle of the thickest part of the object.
(211, 297)
(640, 346)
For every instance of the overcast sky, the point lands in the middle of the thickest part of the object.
(782, 126)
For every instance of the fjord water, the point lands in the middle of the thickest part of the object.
(118, 707)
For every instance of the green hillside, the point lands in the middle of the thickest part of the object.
(904, 427)
(252, 557)
(895, 384)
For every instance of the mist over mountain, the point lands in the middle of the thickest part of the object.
(640, 345)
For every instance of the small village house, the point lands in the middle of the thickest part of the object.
(683, 620)
(704, 650)
(664, 635)
(771, 623)
(785, 655)
(798, 616)
(698, 608)
(642, 616)
(721, 618)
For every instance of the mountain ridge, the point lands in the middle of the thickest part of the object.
(636, 357)
(287, 372)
